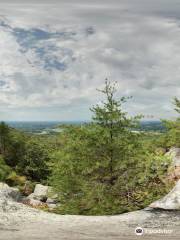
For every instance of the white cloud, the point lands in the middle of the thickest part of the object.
(57, 58)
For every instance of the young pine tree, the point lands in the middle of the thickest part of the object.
(101, 169)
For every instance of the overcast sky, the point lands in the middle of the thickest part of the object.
(54, 54)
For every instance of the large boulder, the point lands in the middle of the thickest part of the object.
(9, 193)
(42, 196)
(40, 192)
(171, 201)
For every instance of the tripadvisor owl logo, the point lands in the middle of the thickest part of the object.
(139, 231)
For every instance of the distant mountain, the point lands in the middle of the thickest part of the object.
(40, 127)
(44, 127)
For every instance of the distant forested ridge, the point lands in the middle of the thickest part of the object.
(152, 126)
(50, 127)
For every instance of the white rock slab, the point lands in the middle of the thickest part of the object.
(174, 153)
(171, 201)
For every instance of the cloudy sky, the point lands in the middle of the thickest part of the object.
(53, 56)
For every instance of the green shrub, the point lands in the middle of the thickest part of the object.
(34, 162)
(15, 180)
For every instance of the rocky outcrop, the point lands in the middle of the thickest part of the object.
(20, 222)
(9, 193)
(171, 201)
(174, 171)
(38, 199)
(43, 196)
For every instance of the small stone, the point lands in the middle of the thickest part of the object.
(52, 206)
(50, 200)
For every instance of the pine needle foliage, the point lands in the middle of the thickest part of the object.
(103, 167)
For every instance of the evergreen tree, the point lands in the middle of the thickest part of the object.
(97, 171)
(177, 104)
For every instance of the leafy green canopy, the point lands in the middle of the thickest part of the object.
(25, 154)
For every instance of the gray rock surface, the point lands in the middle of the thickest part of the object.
(20, 222)
(174, 153)
(171, 201)
(51, 201)
(51, 206)
(40, 197)
(33, 202)
(174, 169)
(31, 196)
(7, 192)
(40, 192)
